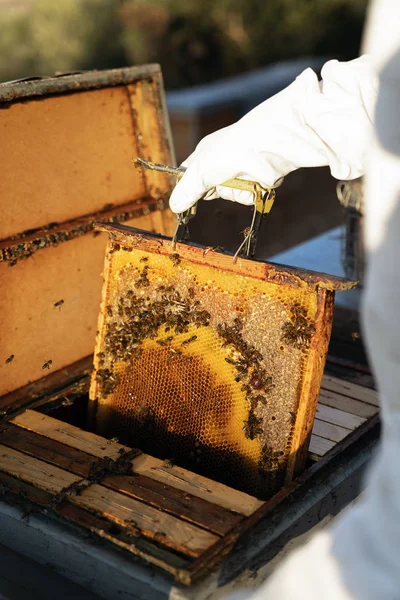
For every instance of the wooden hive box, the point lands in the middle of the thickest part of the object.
(66, 157)
(66, 160)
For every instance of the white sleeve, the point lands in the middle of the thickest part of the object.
(341, 114)
(359, 557)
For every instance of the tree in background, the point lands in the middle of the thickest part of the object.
(195, 41)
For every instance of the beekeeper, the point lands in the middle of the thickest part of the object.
(349, 121)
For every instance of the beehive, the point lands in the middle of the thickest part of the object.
(211, 364)
(66, 152)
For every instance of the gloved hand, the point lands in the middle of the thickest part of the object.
(310, 123)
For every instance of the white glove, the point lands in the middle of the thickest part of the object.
(308, 124)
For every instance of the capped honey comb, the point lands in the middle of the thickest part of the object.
(213, 365)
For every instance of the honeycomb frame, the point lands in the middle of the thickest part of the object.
(214, 364)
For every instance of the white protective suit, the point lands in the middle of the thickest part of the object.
(351, 122)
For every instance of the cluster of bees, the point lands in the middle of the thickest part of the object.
(250, 372)
(298, 331)
(47, 238)
(138, 317)
(269, 466)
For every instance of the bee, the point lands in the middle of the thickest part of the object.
(58, 304)
(109, 311)
(230, 361)
(115, 248)
(10, 359)
(113, 440)
(174, 354)
(238, 324)
(144, 259)
(47, 364)
(175, 259)
(143, 278)
(168, 464)
(251, 427)
(189, 341)
(186, 359)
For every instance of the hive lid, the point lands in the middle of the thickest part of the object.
(212, 363)
(66, 156)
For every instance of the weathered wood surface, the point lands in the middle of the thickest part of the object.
(162, 527)
(346, 404)
(338, 417)
(42, 475)
(175, 519)
(284, 275)
(69, 435)
(196, 484)
(342, 407)
(181, 479)
(319, 446)
(174, 501)
(352, 390)
(45, 449)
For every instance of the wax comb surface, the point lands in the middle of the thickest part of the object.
(213, 365)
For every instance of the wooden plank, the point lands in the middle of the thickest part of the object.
(61, 382)
(196, 485)
(284, 275)
(48, 450)
(338, 417)
(162, 527)
(69, 435)
(42, 475)
(24, 490)
(176, 502)
(319, 446)
(352, 390)
(116, 534)
(329, 431)
(349, 405)
(181, 479)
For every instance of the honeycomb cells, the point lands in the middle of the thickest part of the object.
(201, 374)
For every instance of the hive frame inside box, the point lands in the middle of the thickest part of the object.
(315, 288)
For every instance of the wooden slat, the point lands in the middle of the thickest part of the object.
(181, 479)
(108, 529)
(320, 446)
(176, 502)
(349, 405)
(194, 484)
(338, 417)
(352, 390)
(45, 449)
(329, 431)
(24, 490)
(74, 437)
(42, 475)
(166, 529)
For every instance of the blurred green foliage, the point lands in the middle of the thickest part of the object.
(194, 40)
